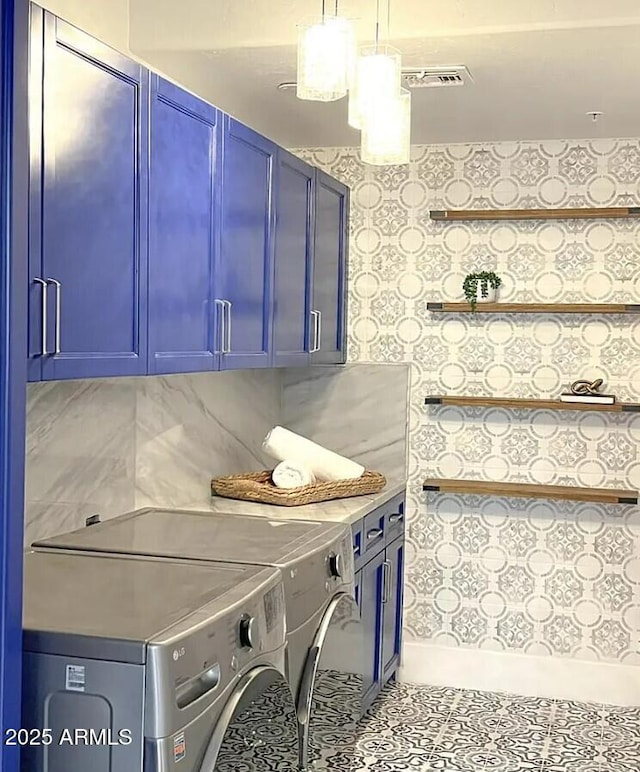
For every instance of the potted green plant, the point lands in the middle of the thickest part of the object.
(481, 287)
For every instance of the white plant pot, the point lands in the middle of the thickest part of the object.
(492, 294)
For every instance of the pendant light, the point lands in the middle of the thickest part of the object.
(386, 133)
(378, 78)
(325, 57)
(378, 75)
(386, 110)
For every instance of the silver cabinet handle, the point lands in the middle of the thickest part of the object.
(397, 518)
(223, 321)
(356, 550)
(319, 340)
(44, 286)
(312, 334)
(386, 576)
(315, 347)
(374, 533)
(228, 304)
(58, 287)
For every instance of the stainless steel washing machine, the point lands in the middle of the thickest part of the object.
(150, 665)
(324, 646)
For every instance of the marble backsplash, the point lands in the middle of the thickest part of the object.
(107, 446)
(80, 453)
(192, 428)
(360, 411)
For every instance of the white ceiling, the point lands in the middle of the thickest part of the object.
(537, 67)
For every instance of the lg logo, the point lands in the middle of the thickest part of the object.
(177, 653)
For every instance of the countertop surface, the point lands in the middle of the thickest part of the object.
(335, 511)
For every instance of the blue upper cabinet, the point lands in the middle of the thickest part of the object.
(88, 208)
(246, 254)
(295, 205)
(164, 236)
(328, 335)
(183, 230)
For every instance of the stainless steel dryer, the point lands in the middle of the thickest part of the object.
(324, 648)
(136, 664)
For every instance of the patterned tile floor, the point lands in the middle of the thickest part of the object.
(427, 729)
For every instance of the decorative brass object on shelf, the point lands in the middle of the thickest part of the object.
(589, 392)
(526, 490)
(587, 387)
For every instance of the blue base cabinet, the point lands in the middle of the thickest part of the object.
(378, 548)
(370, 581)
(392, 602)
(88, 208)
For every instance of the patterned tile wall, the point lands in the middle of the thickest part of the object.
(526, 576)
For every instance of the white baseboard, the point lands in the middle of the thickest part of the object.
(534, 676)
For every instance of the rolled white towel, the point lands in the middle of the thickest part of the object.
(283, 444)
(292, 474)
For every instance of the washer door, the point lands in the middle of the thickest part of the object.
(257, 730)
(330, 695)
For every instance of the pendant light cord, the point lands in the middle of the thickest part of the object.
(377, 24)
(389, 21)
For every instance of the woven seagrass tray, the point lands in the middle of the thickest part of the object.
(257, 486)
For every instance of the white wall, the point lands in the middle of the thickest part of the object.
(107, 20)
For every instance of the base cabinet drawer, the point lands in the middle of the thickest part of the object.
(373, 532)
(394, 519)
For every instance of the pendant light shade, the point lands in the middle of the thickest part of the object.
(354, 118)
(378, 77)
(352, 47)
(325, 58)
(329, 66)
(386, 131)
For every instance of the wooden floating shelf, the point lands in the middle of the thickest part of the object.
(523, 490)
(533, 404)
(536, 308)
(453, 215)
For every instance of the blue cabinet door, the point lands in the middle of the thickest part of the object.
(371, 609)
(88, 206)
(183, 230)
(13, 340)
(293, 251)
(392, 613)
(246, 253)
(330, 270)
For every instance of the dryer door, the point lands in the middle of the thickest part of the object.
(330, 695)
(257, 730)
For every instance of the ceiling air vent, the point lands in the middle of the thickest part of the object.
(436, 77)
